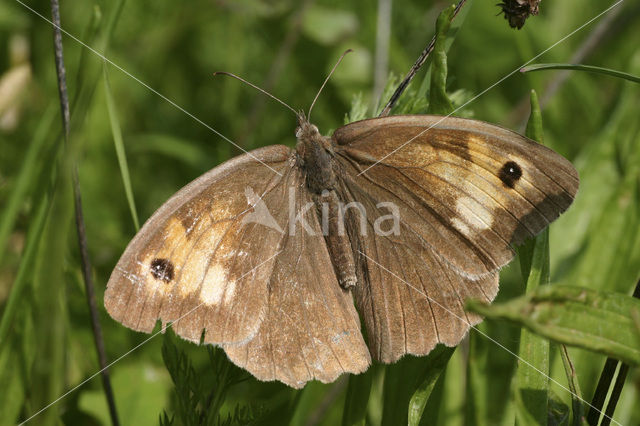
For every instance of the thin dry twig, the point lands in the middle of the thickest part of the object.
(415, 68)
(79, 218)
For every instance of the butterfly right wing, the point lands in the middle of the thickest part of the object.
(464, 192)
(410, 299)
(198, 262)
(470, 189)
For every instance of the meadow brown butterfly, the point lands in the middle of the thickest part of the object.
(267, 262)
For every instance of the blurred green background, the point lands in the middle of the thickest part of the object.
(288, 48)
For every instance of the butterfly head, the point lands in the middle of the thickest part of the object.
(305, 129)
(309, 137)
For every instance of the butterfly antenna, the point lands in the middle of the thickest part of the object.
(325, 81)
(255, 87)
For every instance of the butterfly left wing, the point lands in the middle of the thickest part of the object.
(196, 262)
(311, 330)
(267, 293)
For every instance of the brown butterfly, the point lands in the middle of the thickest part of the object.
(408, 215)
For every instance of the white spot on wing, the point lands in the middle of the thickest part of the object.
(215, 282)
(229, 292)
(195, 266)
(473, 216)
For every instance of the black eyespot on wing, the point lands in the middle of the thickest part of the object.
(510, 173)
(162, 269)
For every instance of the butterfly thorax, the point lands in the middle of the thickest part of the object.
(316, 155)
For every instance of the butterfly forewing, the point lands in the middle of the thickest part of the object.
(469, 189)
(195, 263)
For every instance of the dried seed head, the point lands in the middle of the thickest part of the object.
(517, 11)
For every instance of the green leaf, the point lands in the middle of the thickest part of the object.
(455, 26)
(199, 393)
(439, 102)
(142, 391)
(597, 320)
(558, 413)
(47, 381)
(409, 383)
(532, 383)
(581, 67)
(25, 270)
(399, 384)
(534, 125)
(574, 386)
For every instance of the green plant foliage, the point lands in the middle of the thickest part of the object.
(581, 67)
(130, 144)
(439, 102)
(357, 398)
(531, 391)
(596, 320)
(198, 396)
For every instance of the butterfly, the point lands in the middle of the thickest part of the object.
(280, 254)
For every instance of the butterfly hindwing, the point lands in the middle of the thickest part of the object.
(311, 329)
(409, 297)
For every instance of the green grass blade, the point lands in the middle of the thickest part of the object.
(597, 320)
(581, 67)
(355, 405)
(532, 383)
(12, 384)
(119, 145)
(13, 347)
(436, 362)
(25, 178)
(48, 376)
(399, 385)
(24, 270)
(574, 387)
